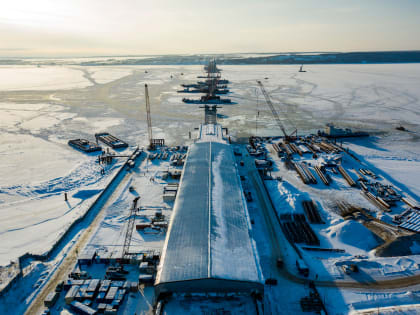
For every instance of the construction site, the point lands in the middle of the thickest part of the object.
(285, 223)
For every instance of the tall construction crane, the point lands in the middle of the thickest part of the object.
(152, 142)
(130, 227)
(274, 112)
(149, 119)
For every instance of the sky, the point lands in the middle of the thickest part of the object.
(135, 27)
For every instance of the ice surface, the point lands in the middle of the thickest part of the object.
(42, 108)
(107, 74)
(14, 78)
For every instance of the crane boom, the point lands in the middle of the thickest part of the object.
(273, 110)
(130, 227)
(149, 119)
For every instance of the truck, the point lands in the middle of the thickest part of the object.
(302, 267)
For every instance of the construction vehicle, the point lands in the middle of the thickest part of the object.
(152, 142)
(302, 267)
(130, 226)
(287, 137)
(149, 119)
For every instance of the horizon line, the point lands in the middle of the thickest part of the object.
(192, 54)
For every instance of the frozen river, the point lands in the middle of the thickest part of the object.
(41, 108)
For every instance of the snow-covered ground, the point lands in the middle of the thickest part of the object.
(357, 241)
(397, 155)
(109, 237)
(41, 108)
(365, 301)
(37, 168)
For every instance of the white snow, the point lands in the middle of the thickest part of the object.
(108, 74)
(25, 159)
(351, 233)
(396, 156)
(36, 163)
(13, 78)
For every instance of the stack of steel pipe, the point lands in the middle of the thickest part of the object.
(309, 173)
(346, 176)
(363, 185)
(302, 174)
(305, 230)
(311, 211)
(383, 202)
(304, 148)
(330, 147)
(295, 149)
(410, 203)
(377, 201)
(361, 177)
(337, 148)
(287, 148)
(321, 175)
(299, 231)
(311, 148)
(324, 147)
(277, 148)
(316, 146)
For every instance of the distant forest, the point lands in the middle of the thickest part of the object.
(283, 58)
(232, 59)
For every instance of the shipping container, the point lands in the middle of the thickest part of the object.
(93, 285)
(80, 308)
(111, 294)
(70, 296)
